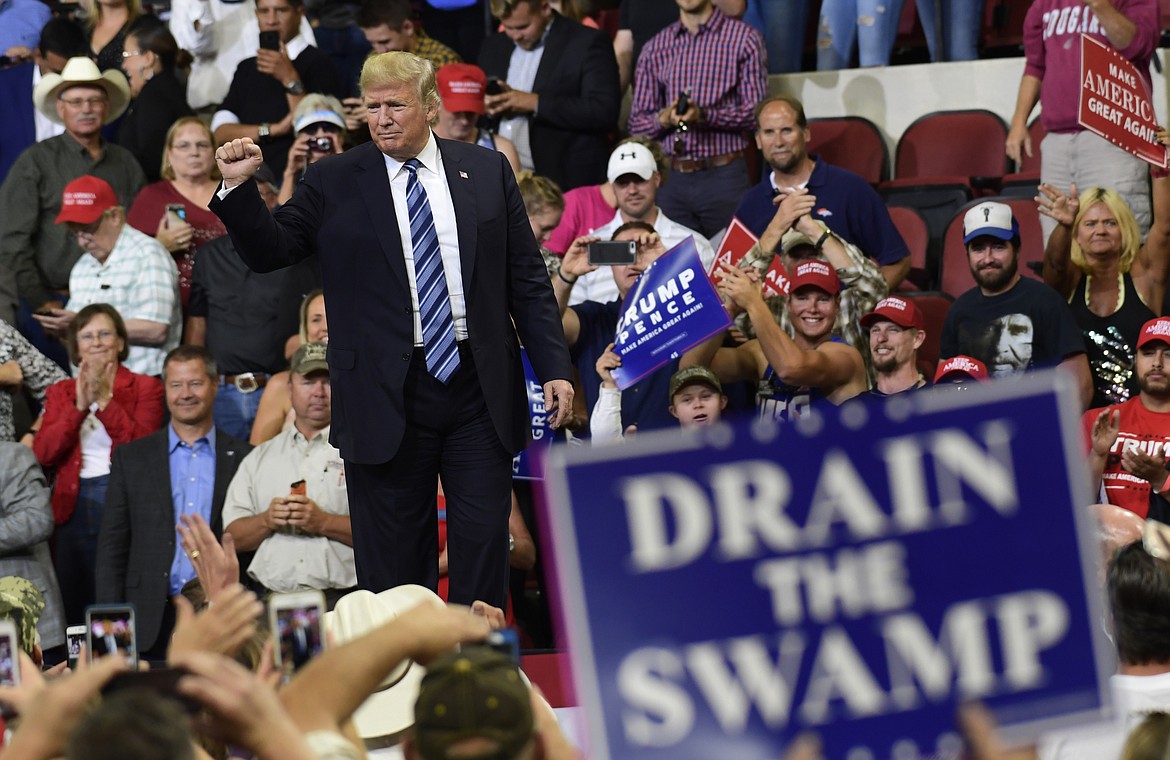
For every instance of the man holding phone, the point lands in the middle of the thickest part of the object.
(289, 503)
(266, 89)
(589, 327)
(557, 108)
(695, 84)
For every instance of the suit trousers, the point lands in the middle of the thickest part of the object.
(393, 506)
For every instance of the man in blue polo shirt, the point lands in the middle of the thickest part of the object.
(843, 201)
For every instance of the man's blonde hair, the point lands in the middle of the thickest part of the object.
(399, 67)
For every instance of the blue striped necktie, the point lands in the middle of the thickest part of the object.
(434, 306)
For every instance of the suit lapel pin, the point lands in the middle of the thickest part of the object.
(463, 175)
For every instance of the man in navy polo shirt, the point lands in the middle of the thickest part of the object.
(843, 200)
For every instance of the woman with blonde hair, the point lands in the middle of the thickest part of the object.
(107, 22)
(174, 209)
(275, 407)
(1114, 284)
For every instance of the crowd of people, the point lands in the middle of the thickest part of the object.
(191, 190)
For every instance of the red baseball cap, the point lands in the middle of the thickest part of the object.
(817, 273)
(900, 311)
(969, 366)
(85, 200)
(1155, 329)
(461, 86)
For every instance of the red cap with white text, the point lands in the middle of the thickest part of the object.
(902, 312)
(818, 274)
(1155, 329)
(85, 200)
(958, 367)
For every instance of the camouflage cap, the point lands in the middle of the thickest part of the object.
(22, 603)
(310, 357)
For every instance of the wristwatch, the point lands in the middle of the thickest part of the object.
(295, 87)
(263, 131)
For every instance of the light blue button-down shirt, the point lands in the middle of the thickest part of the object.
(192, 487)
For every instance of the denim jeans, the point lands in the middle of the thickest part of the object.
(782, 22)
(235, 411)
(872, 24)
(76, 549)
(957, 22)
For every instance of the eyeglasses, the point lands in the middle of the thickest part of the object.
(85, 229)
(183, 147)
(101, 336)
(130, 53)
(84, 102)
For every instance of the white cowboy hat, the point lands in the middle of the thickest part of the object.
(77, 71)
(390, 709)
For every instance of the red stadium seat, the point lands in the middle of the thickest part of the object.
(955, 277)
(551, 672)
(934, 308)
(947, 143)
(936, 201)
(913, 230)
(853, 143)
(1021, 185)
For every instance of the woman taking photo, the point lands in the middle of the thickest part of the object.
(85, 418)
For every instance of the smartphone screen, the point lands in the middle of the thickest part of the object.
(296, 624)
(9, 654)
(110, 630)
(74, 639)
(177, 211)
(613, 253)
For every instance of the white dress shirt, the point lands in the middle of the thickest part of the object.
(220, 34)
(434, 181)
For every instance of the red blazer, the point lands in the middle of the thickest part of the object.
(135, 410)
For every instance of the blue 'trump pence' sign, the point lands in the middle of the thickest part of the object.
(672, 308)
(856, 574)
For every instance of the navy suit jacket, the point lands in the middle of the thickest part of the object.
(137, 543)
(343, 211)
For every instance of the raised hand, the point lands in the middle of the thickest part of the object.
(238, 160)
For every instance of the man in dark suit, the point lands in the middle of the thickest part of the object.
(430, 272)
(138, 557)
(558, 108)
